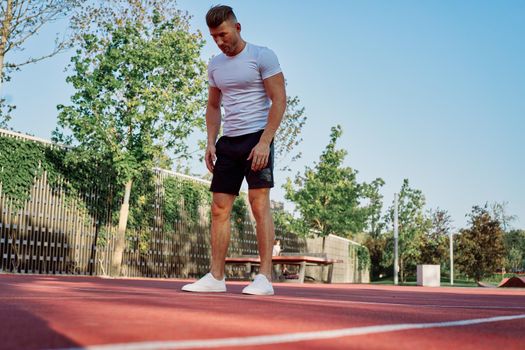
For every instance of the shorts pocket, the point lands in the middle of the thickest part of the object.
(219, 144)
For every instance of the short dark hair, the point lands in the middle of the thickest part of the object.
(218, 14)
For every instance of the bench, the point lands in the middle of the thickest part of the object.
(298, 260)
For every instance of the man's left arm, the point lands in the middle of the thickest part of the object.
(276, 92)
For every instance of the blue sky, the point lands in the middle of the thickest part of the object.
(431, 91)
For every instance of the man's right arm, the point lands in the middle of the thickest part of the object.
(213, 124)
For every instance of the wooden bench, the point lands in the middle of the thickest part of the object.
(298, 260)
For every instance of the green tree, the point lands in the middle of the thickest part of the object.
(413, 225)
(515, 250)
(499, 211)
(286, 222)
(375, 222)
(375, 242)
(288, 135)
(514, 259)
(20, 20)
(328, 197)
(376, 245)
(436, 240)
(480, 248)
(140, 87)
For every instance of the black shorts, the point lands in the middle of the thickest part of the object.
(232, 165)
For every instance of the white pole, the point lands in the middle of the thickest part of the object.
(451, 240)
(396, 238)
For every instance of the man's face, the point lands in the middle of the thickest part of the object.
(227, 36)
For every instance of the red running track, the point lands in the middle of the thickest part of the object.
(66, 312)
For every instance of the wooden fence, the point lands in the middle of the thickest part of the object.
(54, 234)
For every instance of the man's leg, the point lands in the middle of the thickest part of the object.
(220, 231)
(220, 238)
(260, 203)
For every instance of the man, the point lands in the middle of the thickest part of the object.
(248, 81)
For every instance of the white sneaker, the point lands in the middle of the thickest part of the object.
(208, 283)
(259, 286)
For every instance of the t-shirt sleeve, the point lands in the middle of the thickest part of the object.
(268, 63)
(211, 81)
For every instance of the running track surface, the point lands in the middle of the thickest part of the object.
(66, 312)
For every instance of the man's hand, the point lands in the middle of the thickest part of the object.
(210, 157)
(259, 156)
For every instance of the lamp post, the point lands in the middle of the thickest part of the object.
(396, 239)
(451, 253)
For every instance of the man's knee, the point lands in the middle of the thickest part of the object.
(220, 209)
(260, 203)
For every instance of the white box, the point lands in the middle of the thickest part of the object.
(428, 275)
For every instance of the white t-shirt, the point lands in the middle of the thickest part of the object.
(240, 79)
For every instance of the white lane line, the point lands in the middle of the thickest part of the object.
(291, 337)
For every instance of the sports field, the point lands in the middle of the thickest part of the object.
(65, 312)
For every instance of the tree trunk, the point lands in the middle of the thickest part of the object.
(324, 255)
(116, 263)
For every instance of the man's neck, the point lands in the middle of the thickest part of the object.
(239, 48)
